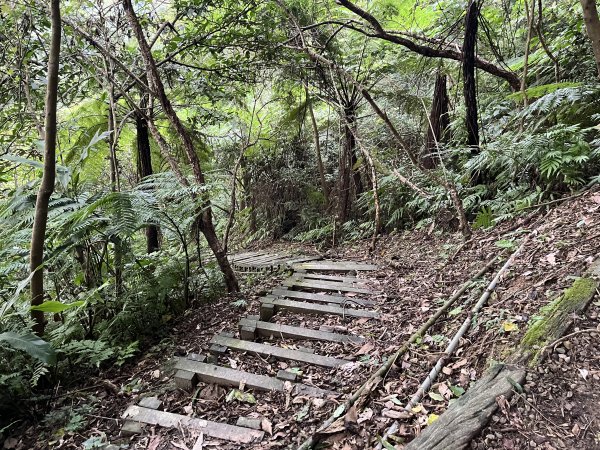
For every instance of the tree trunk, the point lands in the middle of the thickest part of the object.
(38, 234)
(157, 86)
(592, 25)
(144, 167)
(469, 82)
(438, 123)
(348, 162)
(320, 166)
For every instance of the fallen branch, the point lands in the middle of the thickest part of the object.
(455, 340)
(374, 379)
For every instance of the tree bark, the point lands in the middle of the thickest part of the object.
(144, 168)
(40, 222)
(592, 25)
(439, 123)
(469, 82)
(320, 166)
(205, 219)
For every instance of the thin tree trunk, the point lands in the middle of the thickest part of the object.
(438, 123)
(205, 220)
(592, 25)
(468, 69)
(530, 22)
(315, 129)
(144, 167)
(38, 234)
(540, 34)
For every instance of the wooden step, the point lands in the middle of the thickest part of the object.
(325, 286)
(322, 298)
(277, 352)
(335, 266)
(224, 376)
(268, 329)
(271, 305)
(213, 429)
(320, 276)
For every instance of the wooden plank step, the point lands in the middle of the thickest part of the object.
(320, 276)
(302, 259)
(277, 352)
(325, 286)
(213, 429)
(335, 266)
(267, 329)
(224, 376)
(244, 256)
(277, 304)
(263, 258)
(323, 298)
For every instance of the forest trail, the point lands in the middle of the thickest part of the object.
(316, 287)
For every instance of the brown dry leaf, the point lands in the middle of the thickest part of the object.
(156, 374)
(266, 426)
(10, 443)
(462, 362)
(351, 419)
(211, 392)
(595, 199)
(180, 445)
(366, 415)
(362, 321)
(365, 349)
(335, 427)
(394, 414)
(447, 370)
(154, 443)
(445, 391)
(188, 409)
(551, 258)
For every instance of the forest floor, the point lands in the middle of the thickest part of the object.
(419, 270)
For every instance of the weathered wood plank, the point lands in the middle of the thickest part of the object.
(314, 308)
(335, 266)
(224, 376)
(277, 330)
(277, 352)
(465, 418)
(325, 286)
(322, 298)
(214, 429)
(321, 276)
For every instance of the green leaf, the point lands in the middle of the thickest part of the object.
(455, 311)
(245, 397)
(436, 396)
(31, 344)
(505, 243)
(55, 307)
(457, 390)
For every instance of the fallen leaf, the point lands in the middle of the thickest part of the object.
(508, 326)
(447, 370)
(365, 349)
(394, 414)
(366, 415)
(551, 258)
(154, 443)
(583, 373)
(156, 374)
(188, 409)
(462, 362)
(436, 397)
(432, 418)
(266, 426)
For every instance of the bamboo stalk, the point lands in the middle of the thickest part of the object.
(431, 377)
(380, 373)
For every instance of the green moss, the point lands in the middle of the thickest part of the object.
(552, 316)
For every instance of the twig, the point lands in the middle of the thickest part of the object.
(564, 338)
